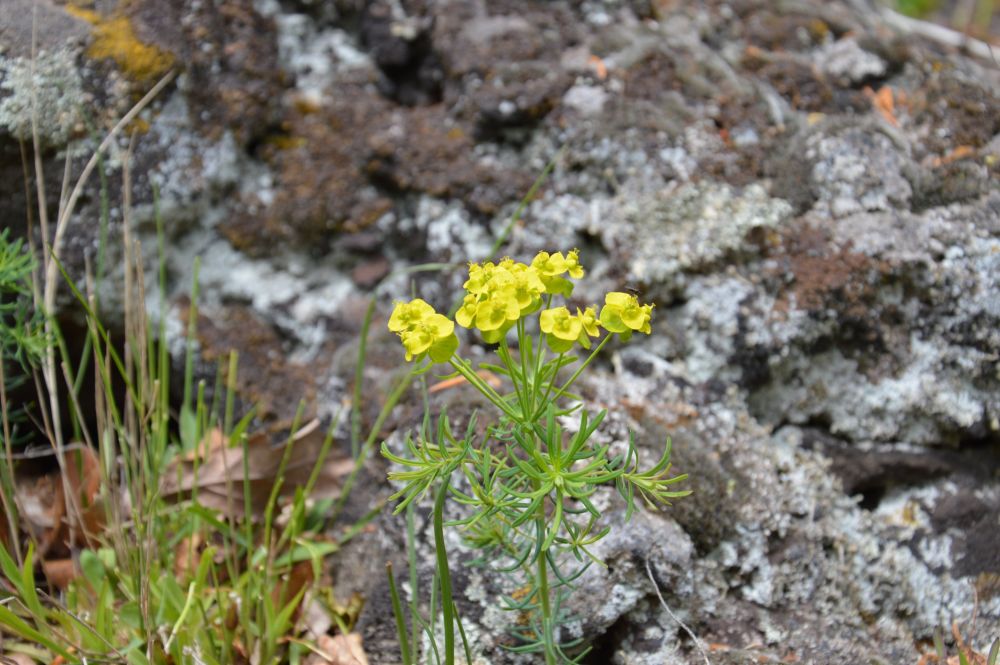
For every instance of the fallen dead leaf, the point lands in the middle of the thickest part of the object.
(219, 478)
(60, 572)
(597, 65)
(961, 152)
(207, 447)
(187, 554)
(315, 618)
(46, 514)
(338, 650)
(487, 376)
(17, 659)
(300, 577)
(884, 103)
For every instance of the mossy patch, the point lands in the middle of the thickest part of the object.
(115, 39)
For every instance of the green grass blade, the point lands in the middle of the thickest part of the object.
(397, 612)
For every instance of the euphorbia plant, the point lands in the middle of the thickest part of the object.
(527, 484)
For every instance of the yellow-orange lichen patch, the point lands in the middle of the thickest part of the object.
(115, 39)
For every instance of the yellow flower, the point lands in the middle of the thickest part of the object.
(407, 314)
(499, 309)
(498, 295)
(623, 314)
(466, 314)
(588, 318)
(528, 287)
(573, 264)
(589, 326)
(561, 328)
(423, 331)
(549, 265)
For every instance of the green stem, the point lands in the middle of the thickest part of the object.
(542, 578)
(579, 370)
(529, 383)
(447, 604)
(548, 391)
(397, 612)
(504, 352)
(539, 348)
(483, 387)
(359, 462)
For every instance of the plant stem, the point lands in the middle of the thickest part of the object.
(447, 605)
(520, 391)
(542, 578)
(579, 370)
(483, 387)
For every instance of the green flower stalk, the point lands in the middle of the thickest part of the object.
(528, 488)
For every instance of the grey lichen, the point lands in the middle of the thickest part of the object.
(690, 227)
(48, 88)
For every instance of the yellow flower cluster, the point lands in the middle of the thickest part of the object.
(423, 331)
(563, 329)
(498, 295)
(623, 314)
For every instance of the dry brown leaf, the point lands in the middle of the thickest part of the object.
(315, 619)
(219, 479)
(338, 650)
(300, 577)
(45, 513)
(14, 658)
(60, 572)
(884, 103)
(187, 554)
(961, 152)
(208, 446)
(599, 68)
(487, 376)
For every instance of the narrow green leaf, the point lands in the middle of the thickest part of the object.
(19, 627)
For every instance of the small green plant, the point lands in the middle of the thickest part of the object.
(966, 654)
(159, 576)
(23, 341)
(526, 485)
(22, 335)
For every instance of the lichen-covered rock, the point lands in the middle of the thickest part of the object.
(689, 230)
(857, 170)
(427, 151)
(229, 55)
(318, 187)
(809, 196)
(50, 89)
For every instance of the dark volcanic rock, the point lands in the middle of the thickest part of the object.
(320, 188)
(229, 54)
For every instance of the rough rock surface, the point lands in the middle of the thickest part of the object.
(810, 197)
